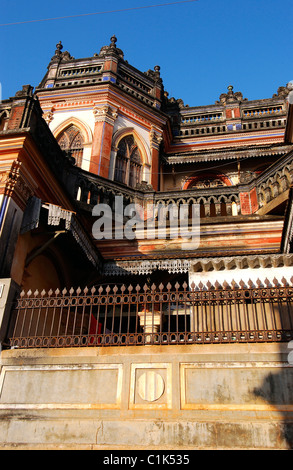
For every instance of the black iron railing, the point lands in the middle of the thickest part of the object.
(146, 315)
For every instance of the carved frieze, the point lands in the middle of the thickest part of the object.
(146, 267)
(17, 185)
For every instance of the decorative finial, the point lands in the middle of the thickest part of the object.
(157, 74)
(230, 88)
(59, 48)
(113, 41)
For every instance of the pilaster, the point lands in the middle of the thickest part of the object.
(155, 141)
(105, 117)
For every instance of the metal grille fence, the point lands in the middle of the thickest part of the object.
(146, 315)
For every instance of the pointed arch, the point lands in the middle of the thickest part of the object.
(4, 117)
(130, 158)
(82, 126)
(72, 136)
(142, 145)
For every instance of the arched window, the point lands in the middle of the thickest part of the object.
(72, 142)
(128, 162)
(4, 116)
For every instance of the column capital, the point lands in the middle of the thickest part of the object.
(106, 113)
(155, 139)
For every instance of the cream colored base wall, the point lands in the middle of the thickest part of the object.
(189, 397)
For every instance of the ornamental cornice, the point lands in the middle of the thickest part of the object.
(176, 266)
(144, 267)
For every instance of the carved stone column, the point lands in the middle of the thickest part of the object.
(218, 209)
(150, 322)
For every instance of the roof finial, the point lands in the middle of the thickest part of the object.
(113, 41)
(59, 48)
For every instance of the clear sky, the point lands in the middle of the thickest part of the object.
(202, 47)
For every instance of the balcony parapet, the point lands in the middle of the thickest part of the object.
(90, 190)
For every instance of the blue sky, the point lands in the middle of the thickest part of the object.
(202, 47)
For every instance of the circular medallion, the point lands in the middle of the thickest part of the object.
(150, 386)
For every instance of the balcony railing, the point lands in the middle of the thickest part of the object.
(267, 111)
(215, 201)
(156, 315)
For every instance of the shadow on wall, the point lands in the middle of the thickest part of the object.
(277, 390)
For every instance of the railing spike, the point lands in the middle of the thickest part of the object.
(250, 284)
(209, 285)
(226, 285)
(259, 283)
